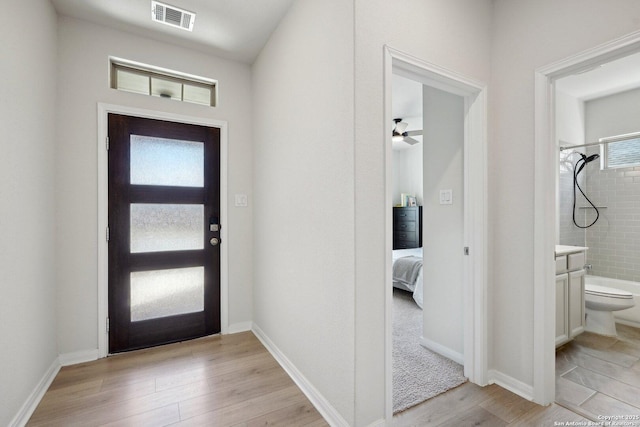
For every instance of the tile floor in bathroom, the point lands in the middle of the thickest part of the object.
(599, 376)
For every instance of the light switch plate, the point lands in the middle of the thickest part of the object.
(241, 200)
(446, 197)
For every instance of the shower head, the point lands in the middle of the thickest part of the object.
(583, 161)
(591, 158)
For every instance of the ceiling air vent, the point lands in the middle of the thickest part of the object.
(172, 15)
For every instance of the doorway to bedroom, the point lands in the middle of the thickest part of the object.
(439, 183)
(428, 235)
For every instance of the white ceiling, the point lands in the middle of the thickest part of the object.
(406, 104)
(239, 29)
(406, 99)
(612, 77)
(233, 29)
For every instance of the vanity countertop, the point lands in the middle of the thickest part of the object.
(565, 250)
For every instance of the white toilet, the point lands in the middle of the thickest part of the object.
(600, 303)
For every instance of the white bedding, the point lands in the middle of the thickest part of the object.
(417, 287)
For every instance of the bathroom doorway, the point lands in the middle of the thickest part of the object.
(594, 370)
(555, 377)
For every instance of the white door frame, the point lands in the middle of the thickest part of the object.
(475, 208)
(546, 161)
(103, 205)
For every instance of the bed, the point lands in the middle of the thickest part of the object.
(407, 272)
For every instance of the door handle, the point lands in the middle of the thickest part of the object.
(214, 241)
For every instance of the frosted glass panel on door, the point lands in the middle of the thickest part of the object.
(161, 161)
(162, 293)
(160, 227)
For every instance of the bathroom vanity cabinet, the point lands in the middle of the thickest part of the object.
(570, 272)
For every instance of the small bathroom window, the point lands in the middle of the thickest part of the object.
(621, 153)
(149, 80)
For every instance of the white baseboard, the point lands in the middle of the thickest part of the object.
(442, 350)
(67, 359)
(30, 405)
(627, 322)
(323, 406)
(379, 423)
(511, 384)
(239, 327)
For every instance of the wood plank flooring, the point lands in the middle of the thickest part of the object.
(491, 406)
(595, 376)
(232, 380)
(229, 380)
(600, 376)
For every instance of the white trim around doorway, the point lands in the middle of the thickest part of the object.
(475, 212)
(546, 161)
(103, 111)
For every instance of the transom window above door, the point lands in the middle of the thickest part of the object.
(129, 76)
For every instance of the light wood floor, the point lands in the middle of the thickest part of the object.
(232, 380)
(595, 376)
(491, 406)
(598, 375)
(229, 380)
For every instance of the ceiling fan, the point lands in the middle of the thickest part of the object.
(401, 134)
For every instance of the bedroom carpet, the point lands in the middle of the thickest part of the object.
(418, 373)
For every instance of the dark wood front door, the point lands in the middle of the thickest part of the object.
(164, 238)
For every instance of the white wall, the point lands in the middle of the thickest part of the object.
(27, 226)
(451, 34)
(407, 173)
(443, 225)
(569, 119)
(612, 115)
(304, 196)
(527, 35)
(84, 49)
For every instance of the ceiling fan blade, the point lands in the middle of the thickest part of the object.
(413, 133)
(410, 140)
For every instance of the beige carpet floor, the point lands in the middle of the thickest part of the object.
(418, 373)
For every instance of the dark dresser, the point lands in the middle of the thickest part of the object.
(407, 227)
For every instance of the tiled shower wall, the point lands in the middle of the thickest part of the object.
(614, 240)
